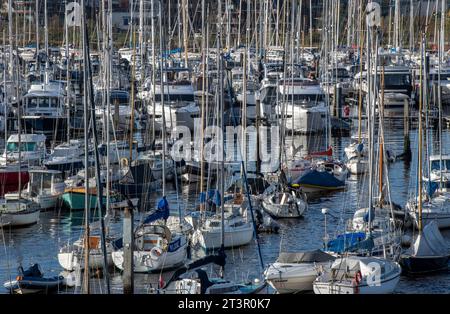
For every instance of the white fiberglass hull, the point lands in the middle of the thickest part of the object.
(306, 121)
(19, 219)
(284, 210)
(72, 260)
(212, 238)
(348, 287)
(358, 166)
(145, 262)
(293, 279)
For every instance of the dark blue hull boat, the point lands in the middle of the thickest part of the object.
(33, 281)
(416, 265)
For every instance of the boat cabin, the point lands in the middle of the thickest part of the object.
(149, 236)
(32, 149)
(45, 182)
(45, 100)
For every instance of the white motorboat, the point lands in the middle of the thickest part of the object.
(296, 272)
(45, 188)
(66, 157)
(302, 106)
(358, 275)
(32, 149)
(44, 110)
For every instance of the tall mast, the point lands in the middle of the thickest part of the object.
(46, 40)
(141, 29)
(185, 31)
(202, 117)
(419, 172)
(37, 36)
(153, 70)
(161, 65)
(86, 288)
(397, 24)
(66, 30)
(440, 55)
(133, 81)
(220, 106)
(411, 25)
(310, 24)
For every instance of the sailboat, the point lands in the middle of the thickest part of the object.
(429, 252)
(156, 247)
(280, 201)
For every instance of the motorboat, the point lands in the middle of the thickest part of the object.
(296, 272)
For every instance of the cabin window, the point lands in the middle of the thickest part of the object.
(436, 164)
(44, 103)
(54, 102)
(397, 80)
(57, 179)
(24, 147)
(305, 98)
(187, 97)
(214, 224)
(32, 103)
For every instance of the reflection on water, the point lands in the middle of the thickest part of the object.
(40, 243)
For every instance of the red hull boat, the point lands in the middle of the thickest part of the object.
(9, 179)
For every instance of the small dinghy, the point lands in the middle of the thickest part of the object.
(32, 280)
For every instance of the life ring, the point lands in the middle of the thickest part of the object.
(358, 277)
(356, 281)
(155, 253)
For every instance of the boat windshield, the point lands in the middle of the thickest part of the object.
(435, 165)
(43, 102)
(24, 147)
(444, 77)
(305, 97)
(397, 80)
(175, 97)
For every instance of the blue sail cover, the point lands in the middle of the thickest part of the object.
(372, 215)
(319, 179)
(431, 187)
(213, 196)
(346, 242)
(163, 211)
(360, 147)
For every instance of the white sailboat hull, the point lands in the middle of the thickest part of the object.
(386, 287)
(357, 167)
(145, 262)
(19, 219)
(72, 260)
(212, 239)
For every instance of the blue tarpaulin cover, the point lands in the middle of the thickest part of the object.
(163, 211)
(349, 242)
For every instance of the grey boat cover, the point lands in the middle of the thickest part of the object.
(317, 256)
(430, 242)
